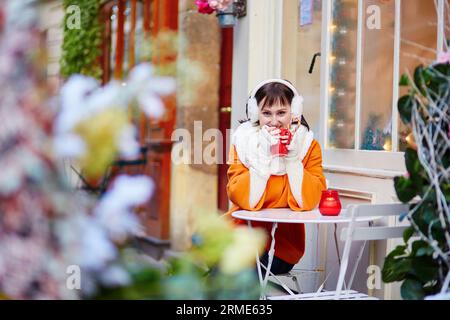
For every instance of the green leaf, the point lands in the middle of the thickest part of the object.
(420, 247)
(419, 79)
(429, 214)
(408, 233)
(394, 268)
(414, 168)
(405, 189)
(404, 80)
(398, 251)
(80, 47)
(405, 105)
(412, 290)
(423, 266)
(424, 251)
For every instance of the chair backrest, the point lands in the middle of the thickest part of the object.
(354, 233)
(376, 232)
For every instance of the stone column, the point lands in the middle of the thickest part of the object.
(194, 185)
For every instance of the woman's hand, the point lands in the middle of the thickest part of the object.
(275, 133)
(271, 135)
(297, 143)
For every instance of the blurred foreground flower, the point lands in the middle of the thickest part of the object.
(48, 228)
(93, 126)
(114, 211)
(217, 241)
(220, 264)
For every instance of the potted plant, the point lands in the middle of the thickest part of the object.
(227, 11)
(423, 263)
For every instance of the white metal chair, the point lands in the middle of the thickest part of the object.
(357, 233)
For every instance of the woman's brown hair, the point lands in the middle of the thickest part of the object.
(274, 93)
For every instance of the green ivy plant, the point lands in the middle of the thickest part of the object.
(423, 264)
(81, 47)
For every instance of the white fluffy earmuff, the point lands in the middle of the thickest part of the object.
(296, 105)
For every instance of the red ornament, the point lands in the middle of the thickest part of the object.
(281, 149)
(203, 7)
(330, 204)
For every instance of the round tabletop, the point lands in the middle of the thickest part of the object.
(286, 215)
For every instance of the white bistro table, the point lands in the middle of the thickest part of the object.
(286, 215)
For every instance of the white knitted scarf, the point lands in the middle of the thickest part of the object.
(245, 140)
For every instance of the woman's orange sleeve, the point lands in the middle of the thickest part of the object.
(238, 187)
(313, 180)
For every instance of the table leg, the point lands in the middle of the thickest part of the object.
(270, 257)
(337, 251)
(258, 263)
(336, 244)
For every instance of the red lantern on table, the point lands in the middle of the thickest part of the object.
(330, 204)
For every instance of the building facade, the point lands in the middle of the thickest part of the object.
(350, 95)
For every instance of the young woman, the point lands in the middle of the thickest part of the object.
(258, 178)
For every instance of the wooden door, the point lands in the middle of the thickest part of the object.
(164, 16)
(118, 57)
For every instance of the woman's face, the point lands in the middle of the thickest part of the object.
(277, 115)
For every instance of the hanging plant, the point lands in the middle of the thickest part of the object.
(210, 6)
(81, 45)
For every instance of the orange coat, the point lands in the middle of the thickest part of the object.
(290, 238)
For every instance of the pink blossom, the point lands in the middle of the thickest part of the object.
(443, 57)
(219, 4)
(203, 7)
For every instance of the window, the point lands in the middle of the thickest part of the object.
(366, 46)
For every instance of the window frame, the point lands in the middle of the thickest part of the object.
(357, 160)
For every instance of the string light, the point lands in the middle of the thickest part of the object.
(387, 145)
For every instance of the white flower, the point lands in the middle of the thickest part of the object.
(140, 74)
(115, 276)
(106, 97)
(114, 211)
(128, 191)
(69, 145)
(95, 249)
(73, 101)
(151, 104)
(148, 89)
(128, 145)
(163, 86)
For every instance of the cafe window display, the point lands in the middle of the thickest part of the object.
(372, 43)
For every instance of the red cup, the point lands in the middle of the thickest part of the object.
(330, 204)
(280, 149)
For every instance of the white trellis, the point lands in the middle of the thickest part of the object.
(431, 154)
